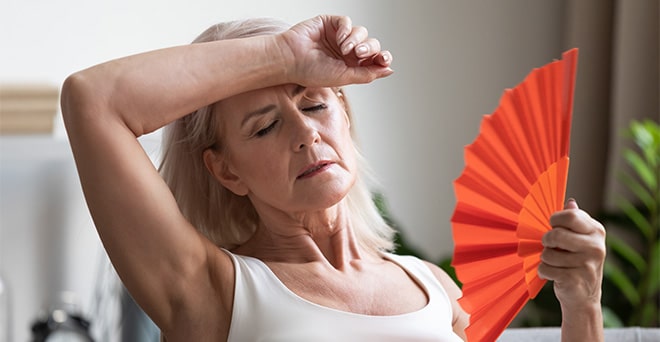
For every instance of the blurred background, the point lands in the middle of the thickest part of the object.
(452, 62)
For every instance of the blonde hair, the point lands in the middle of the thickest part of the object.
(223, 217)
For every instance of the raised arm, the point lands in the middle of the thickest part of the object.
(158, 254)
(573, 258)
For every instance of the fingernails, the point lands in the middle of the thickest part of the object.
(361, 50)
(347, 48)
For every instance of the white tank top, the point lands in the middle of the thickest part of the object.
(266, 310)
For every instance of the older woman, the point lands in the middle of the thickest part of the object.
(261, 226)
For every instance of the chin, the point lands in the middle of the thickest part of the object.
(329, 196)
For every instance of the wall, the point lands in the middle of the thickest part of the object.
(452, 61)
(47, 244)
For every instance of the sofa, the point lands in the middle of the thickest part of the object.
(630, 334)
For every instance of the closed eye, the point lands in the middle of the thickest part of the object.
(266, 130)
(316, 108)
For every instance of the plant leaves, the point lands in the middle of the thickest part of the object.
(639, 190)
(619, 279)
(610, 318)
(646, 135)
(654, 150)
(641, 222)
(627, 253)
(644, 171)
(640, 134)
(654, 269)
(648, 312)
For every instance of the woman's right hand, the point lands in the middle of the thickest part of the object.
(329, 51)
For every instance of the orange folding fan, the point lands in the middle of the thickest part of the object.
(514, 179)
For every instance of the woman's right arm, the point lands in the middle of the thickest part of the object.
(157, 253)
(159, 256)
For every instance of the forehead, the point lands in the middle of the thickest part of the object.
(250, 97)
(243, 103)
(253, 99)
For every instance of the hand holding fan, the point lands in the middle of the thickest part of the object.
(514, 179)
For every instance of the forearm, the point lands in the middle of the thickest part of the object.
(148, 90)
(582, 323)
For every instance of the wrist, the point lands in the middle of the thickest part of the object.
(582, 322)
(260, 63)
(278, 48)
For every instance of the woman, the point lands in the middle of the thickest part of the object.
(264, 229)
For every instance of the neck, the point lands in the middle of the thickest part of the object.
(325, 236)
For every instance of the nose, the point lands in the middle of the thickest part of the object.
(304, 132)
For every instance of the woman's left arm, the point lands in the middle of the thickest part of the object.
(573, 258)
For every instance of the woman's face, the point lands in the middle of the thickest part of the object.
(287, 147)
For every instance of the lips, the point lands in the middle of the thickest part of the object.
(313, 169)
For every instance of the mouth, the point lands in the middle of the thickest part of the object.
(314, 169)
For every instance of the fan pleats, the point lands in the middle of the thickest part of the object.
(514, 178)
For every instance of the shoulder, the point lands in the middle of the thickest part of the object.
(442, 276)
(460, 317)
(452, 289)
(438, 273)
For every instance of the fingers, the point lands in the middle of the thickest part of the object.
(574, 286)
(560, 258)
(573, 230)
(581, 250)
(577, 275)
(365, 49)
(370, 54)
(574, 253)
(383, 59)
(568, 240)
(343, 26)
(571, 204)
(574, 219)
(331, 51)
(356, 37)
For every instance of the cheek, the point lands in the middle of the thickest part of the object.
(347, 150)
(346, 138)
(259, 165)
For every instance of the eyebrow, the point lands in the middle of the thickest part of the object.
(297, 90)
(257, 112)
(261, 111)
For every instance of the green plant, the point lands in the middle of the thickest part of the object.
(632, 267)
(631, 283)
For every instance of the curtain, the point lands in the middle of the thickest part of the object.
(618, 81)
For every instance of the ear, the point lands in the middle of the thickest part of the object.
(339, 92)
(218, 166)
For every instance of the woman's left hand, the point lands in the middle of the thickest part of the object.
(329, 51)
(573, 257)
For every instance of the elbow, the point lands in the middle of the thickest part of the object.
(75, 98)
(84, 103)
(86, 100)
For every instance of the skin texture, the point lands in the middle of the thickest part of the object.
(573, 259)
(289, 151)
